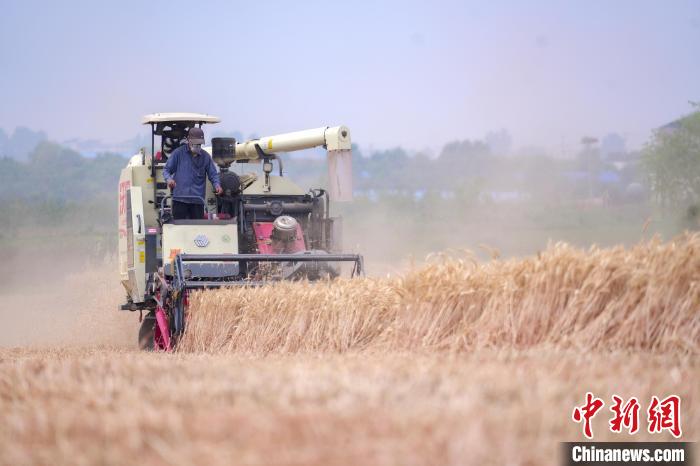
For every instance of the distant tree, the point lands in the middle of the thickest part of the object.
(14, 177)
(460, 150)
(3, 142)
(53, 157)
(461, 161)
(499, 142)
(386, 169)
(672, 162)
(55, 172)
(22, 142)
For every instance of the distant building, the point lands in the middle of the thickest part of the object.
(504, 197)
(609, 177)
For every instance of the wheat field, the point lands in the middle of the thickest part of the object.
(452, 362)
(645, 298)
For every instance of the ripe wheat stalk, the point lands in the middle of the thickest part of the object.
(646, 297)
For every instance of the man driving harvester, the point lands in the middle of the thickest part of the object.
(186, 173)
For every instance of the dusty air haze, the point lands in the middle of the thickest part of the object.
(525, 198)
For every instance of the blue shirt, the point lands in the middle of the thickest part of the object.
(190, 172)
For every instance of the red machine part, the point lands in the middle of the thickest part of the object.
(268, 245)
(161, 332)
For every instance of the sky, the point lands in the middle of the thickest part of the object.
(397, 73)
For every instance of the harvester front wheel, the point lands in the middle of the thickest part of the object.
(146, 332)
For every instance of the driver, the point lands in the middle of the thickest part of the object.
(186, 171)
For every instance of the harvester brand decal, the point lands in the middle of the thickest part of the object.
(123, 188)
(269, 144)
(201, 241)
(226, 239)
(142, 257)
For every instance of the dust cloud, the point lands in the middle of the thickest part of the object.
(63, 300)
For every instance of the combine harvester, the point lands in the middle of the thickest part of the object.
(262, 228)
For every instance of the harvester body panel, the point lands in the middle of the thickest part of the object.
(135, 257)
(279, 185)
(217, 238)
(135, 193)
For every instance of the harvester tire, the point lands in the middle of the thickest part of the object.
(146, 332)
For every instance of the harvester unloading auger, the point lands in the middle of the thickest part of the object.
(261, 229)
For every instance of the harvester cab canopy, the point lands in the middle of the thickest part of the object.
(192, 119)
(173, 128)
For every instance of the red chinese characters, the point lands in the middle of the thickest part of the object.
(661, 415)
(625, 416)
(586, 412)
(665, 415)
